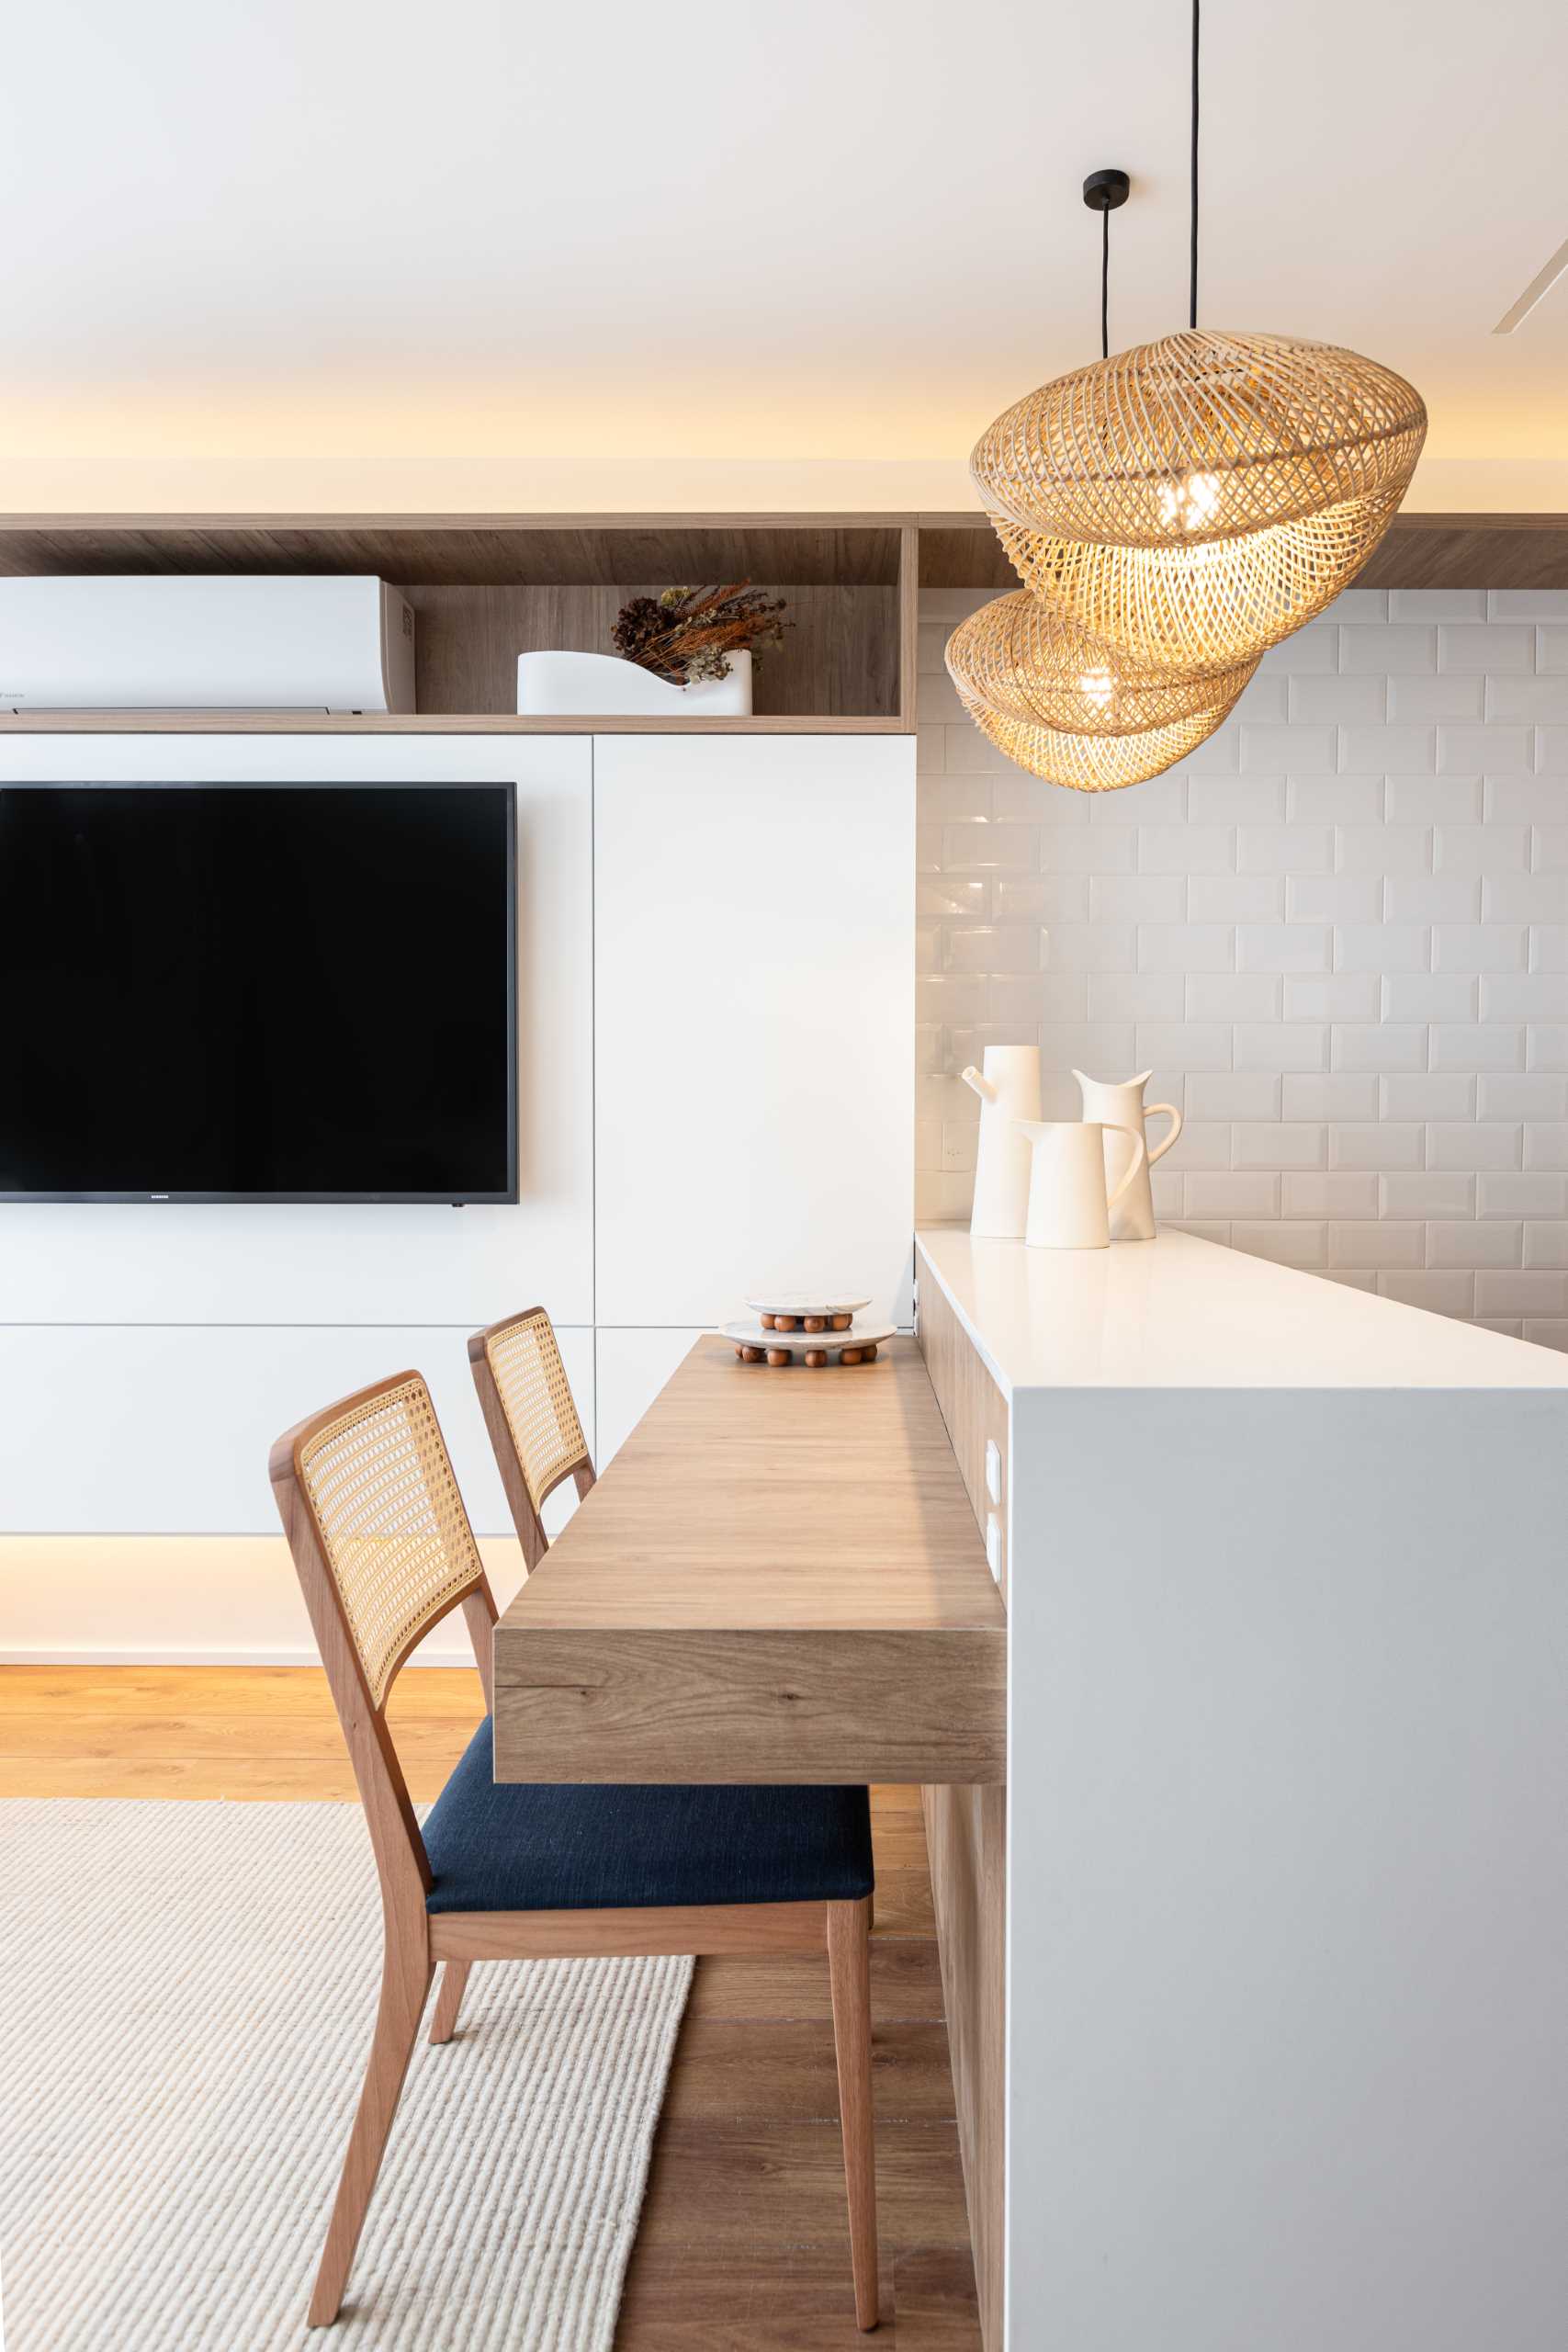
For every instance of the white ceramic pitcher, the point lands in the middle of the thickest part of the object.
(1068, 1204)
(1119, 1106)
(1009, 1089)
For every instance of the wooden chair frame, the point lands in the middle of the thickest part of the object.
(513, 1478)
(416, 1940)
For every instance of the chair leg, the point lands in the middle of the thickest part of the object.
(404, 1992)
(849, 1971)
(449, 2000)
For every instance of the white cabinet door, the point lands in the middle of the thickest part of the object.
(631, 1367)
(753, 1019)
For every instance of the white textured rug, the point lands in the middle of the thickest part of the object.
(186, 1996)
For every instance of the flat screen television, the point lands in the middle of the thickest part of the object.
(258, 992)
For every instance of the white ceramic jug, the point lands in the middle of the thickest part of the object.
(1068, 1204)
(1120, 1105)
(1009, 1090)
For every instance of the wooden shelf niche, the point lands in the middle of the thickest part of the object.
(486, 589)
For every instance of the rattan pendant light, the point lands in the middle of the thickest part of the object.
(1072, 711)
(1193, 501)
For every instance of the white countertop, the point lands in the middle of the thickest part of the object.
(1180, 1312)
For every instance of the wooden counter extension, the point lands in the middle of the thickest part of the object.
(778, 1577)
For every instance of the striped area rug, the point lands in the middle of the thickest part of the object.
(186, 1996)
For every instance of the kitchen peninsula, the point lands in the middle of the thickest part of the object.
(1275, 1899)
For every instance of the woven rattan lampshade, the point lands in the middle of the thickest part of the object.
(1193, 501)
(1094, 763)
(1020, 661)
(1200, 435)
(1200, 609)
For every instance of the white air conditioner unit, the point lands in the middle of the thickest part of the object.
(207, 642)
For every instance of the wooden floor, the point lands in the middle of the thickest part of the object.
(743, 2245)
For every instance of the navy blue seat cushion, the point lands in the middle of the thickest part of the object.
(510, 1846)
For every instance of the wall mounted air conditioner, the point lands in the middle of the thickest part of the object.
(207, 642)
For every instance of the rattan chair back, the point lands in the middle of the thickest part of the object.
(531, 1419)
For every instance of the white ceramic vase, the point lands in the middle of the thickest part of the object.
(1009, 1089)
(1119, 1104)
(1068, 1204)
(601, 685)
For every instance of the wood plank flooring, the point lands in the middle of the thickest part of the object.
(744, 2244)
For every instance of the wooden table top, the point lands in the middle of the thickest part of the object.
(751, 1497)
(778, 1577)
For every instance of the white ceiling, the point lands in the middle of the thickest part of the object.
(326, 253)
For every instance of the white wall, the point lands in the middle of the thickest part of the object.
(690, 1122)
(1338, 933)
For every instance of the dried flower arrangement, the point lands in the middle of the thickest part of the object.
(689, 633)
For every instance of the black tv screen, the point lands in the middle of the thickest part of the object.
(257, 991)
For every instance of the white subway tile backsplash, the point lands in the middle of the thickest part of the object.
(1093, 948)
(1486, 647)
(1185, 947)
(1477, 1046)
(1535, 1196)
(1186, 849)
(1339, 800)
(1474, 1243)
(1427, 1196)
(1309, 1194)
(1473, 1145)
(1435, 604)
(1538, 702)
(1385, 1048)
(1233, 1192)
(1271, 750)
(1524, 898)
(1287, 1243)
(1234, 897)
(1136, 898)
(1384, 849)
(1391, 751)
(1484, 750)
(1280, 1144)
(1377, 1144)
(1309, 1095)
(1235, 800)
(1232, 996)
(1445, 1293)
(1332, 996)
(1432, 898)
(1382, 947)
(1061, 850)
(1377, 1244)
(1479, 947)
(1546, 1144)
(1527, 801)
(1546, 1048)
(1285, 849)
(1338, 933)
(1334, 898)
(1284, 947)
(1211, 1096)
(1049, 897)
(1429, 996)
(1428, 1096)
(1390, 648)
(1137, 995)
(1364, 700)
(1280, 1045)
(1418, 702)
(1193, 1045)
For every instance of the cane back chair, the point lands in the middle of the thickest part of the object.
(384, 1550)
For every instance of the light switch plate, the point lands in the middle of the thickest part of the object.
(993, 1470)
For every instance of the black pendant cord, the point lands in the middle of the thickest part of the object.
(1105, 285)
(1192, 296)
(1103, 192)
